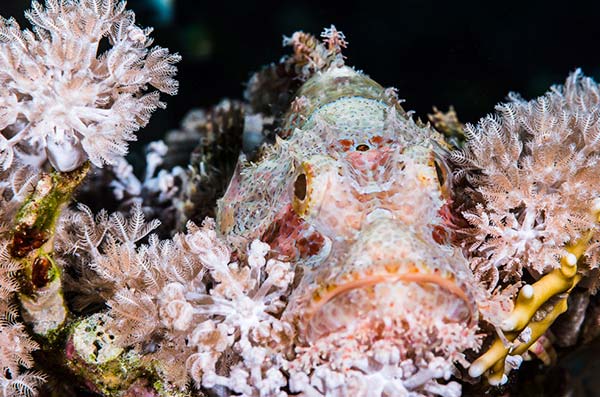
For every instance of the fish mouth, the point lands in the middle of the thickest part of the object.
(359, 297)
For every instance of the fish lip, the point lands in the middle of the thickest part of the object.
(448, 284)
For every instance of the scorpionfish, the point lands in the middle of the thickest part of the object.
(353, 192)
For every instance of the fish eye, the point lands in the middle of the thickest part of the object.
(300, 187)
(441, 172)
(362, 147)
(301, 190)
(310, 183)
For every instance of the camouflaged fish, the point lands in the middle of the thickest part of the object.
(353, 196)
(353, 192)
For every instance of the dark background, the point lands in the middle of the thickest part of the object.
(469, 54)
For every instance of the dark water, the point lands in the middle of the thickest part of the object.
(469, 54)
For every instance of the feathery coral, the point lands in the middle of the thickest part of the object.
(534, 165)
(534, 169)
(160, 291)
(15, 349)
(65, 100)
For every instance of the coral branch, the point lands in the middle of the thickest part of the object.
(557, 283)
(32, 245)
(16, 376)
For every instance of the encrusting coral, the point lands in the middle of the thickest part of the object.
(352, 253)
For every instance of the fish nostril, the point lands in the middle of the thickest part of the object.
(362, 147)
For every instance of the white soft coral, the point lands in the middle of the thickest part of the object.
(243, 310)
(15, 356)
(63, 97)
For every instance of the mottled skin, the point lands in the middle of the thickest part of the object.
(353, 196)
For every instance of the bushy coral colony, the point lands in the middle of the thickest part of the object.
(65, 99)
(355, 252)
(544, 154)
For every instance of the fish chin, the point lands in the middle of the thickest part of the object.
(391, 301)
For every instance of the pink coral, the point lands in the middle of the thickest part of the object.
(15, 354)
(534, 167)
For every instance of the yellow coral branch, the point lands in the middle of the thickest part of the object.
(529, 301)
(532, 297)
